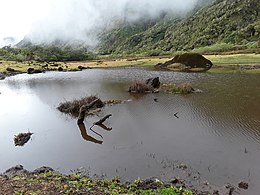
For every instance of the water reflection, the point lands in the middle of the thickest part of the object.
(213, 128)
(99, 123)
(85, 135)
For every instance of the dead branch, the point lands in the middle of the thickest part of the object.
(83, 109)
(102, 120)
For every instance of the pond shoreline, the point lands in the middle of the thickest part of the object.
(19, 180)
(231, 63)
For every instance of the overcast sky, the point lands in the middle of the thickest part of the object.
(47, 20)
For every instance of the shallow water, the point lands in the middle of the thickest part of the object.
(217, 132)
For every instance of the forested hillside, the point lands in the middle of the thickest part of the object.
(222, 25)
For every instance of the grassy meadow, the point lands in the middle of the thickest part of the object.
(232, 63)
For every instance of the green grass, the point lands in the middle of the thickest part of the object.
(231, 63)
(53, 183)
(219, 47)
(234, 58)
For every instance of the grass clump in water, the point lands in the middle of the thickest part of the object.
(139, 87)
(184, 88)
(73, 107)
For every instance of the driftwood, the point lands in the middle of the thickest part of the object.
(100, 123)
(83, 109)
(102, 120)
(85, 135)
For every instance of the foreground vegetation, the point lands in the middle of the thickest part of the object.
(54, 183)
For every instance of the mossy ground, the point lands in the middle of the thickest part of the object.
(53, 183)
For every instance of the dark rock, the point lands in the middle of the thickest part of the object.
(60, 69)
(153, 82)
(13, 71)
(37, 71)
(190, 60)
(243, 185)
(43, 169)
(177, 182)
(33, 71)
(10, 69)
(30, 70)
(152, 183)
(83, 67)
(16, 170)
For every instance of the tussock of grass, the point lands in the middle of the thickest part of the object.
(184, 88)
(73, 107)
(139, 87)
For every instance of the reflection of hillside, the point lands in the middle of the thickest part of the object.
(230, 106)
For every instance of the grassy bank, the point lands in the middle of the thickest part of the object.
(54, 183)
(233, 63)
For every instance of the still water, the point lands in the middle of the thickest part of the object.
(217, 132)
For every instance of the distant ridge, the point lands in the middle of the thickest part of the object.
(223, 24)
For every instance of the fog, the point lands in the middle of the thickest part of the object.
(45, 21)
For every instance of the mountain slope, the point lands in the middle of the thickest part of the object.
(233, 22)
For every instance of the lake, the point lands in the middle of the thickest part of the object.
(216, 132)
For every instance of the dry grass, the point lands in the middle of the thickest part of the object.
(139, 87)
(73, 107)
(184, 88)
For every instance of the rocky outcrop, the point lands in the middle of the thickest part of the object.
(190, 61)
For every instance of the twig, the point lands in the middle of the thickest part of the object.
(95, 132)
(102, 120)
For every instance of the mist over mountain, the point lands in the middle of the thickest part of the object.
(82, 21)
(146, 27)
(221, 25)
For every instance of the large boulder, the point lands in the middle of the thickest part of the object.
(189, 60)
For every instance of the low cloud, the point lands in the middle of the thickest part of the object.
(82, 20)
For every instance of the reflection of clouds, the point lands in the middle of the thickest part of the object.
(52, 90)
(227, 106)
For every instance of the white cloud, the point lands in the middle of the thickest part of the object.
(47, 20)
